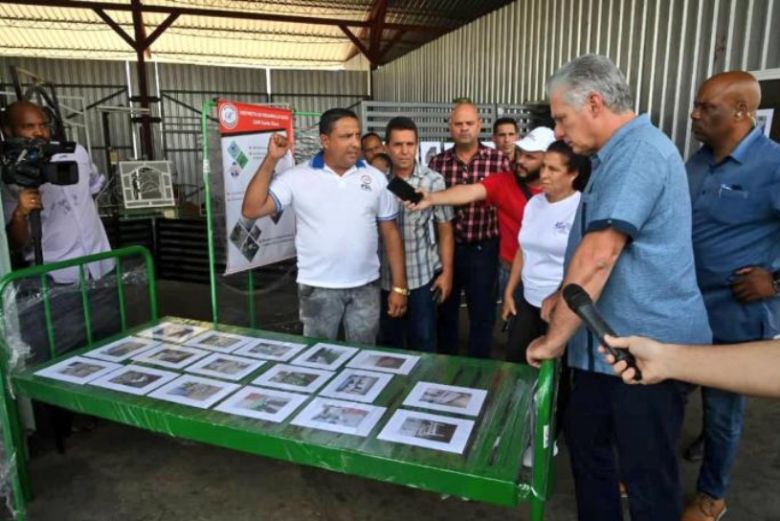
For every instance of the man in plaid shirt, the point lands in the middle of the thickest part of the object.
(428, 245)
(476, 235)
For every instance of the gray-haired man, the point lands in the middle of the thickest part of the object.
(630, 248)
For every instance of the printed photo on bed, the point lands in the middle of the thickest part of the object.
(266, 349)
(175, 332)
(446, 398)
(227, 367)
(325, 356)
(357, 385)
(122, 349)
(219, 341)
(339, 416)
(194, 391)
(428, 430)
(134, 379)
(77, 370)
(293, 378)
(262, 404)
(384, 361)
(171, 356)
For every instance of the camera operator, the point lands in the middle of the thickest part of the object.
(70, 221)
(71, 227)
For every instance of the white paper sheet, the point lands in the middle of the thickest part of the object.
(446, 398)
(266, 349)
(357, 385)
(293, 378)
(428, 430)
(262, 404)
(194, 391)
(171, 356)
(77, 370)
(384, 361)
(174, 332)
(122, 349)
(134, 379)
(339, 416)
(325, 356)
(219, 341)
(227, 367)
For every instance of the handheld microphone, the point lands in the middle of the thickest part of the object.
(581, 304)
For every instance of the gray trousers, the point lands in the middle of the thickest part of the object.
(323, 310)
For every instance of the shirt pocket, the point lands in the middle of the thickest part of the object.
(732, 206)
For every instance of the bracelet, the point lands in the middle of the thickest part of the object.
(401, 291)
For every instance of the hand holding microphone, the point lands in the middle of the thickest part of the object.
(581, 304)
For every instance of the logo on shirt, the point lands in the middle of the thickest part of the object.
(228, 116)
(563, 227)
(365, 183)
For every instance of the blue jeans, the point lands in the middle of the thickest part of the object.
(724, 413)
(617, 432)
(415, 330)
(476, 267)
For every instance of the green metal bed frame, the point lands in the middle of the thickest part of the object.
(490, 470)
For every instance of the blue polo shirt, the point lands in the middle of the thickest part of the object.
(736, 223)
(638, 187)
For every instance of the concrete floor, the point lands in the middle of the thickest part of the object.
(124, 474)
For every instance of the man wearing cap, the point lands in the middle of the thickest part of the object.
(507, 191)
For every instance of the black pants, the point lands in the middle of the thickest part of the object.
(617, 432)
(524, 329)
(69, 331)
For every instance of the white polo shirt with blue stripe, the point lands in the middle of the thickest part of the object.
(336, 237)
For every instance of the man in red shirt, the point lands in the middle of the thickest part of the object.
(507, 191)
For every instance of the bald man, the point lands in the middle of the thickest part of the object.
(476, 235)
(735, 190)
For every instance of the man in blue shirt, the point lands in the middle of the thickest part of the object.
(735, 189)
(630, 249)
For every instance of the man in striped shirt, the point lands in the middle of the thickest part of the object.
(428, 245)
(476, 235)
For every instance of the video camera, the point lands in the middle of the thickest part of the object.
(27, 162)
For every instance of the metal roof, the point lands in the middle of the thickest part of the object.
(317, 34)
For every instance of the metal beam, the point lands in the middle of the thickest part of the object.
(377, 26)
(222, 13)
(161, 29)
(390, 44)
(357, 42)
(147, 144)
(115, 26)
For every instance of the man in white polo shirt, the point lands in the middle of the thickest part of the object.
(339, 202)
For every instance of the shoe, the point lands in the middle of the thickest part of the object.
(695, 451)
(704, 508)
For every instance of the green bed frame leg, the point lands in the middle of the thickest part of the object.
(537, 509)
(13, 444)
(541, 474)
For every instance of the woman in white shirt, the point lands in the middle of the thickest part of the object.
(542, 242)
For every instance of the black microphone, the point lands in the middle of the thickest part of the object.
(580, 302)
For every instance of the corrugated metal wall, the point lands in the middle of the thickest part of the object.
(665, 48)
(184, 88)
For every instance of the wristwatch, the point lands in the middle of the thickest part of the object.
(401, 291)
(776, 281)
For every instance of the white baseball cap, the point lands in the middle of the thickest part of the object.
(538, 140)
